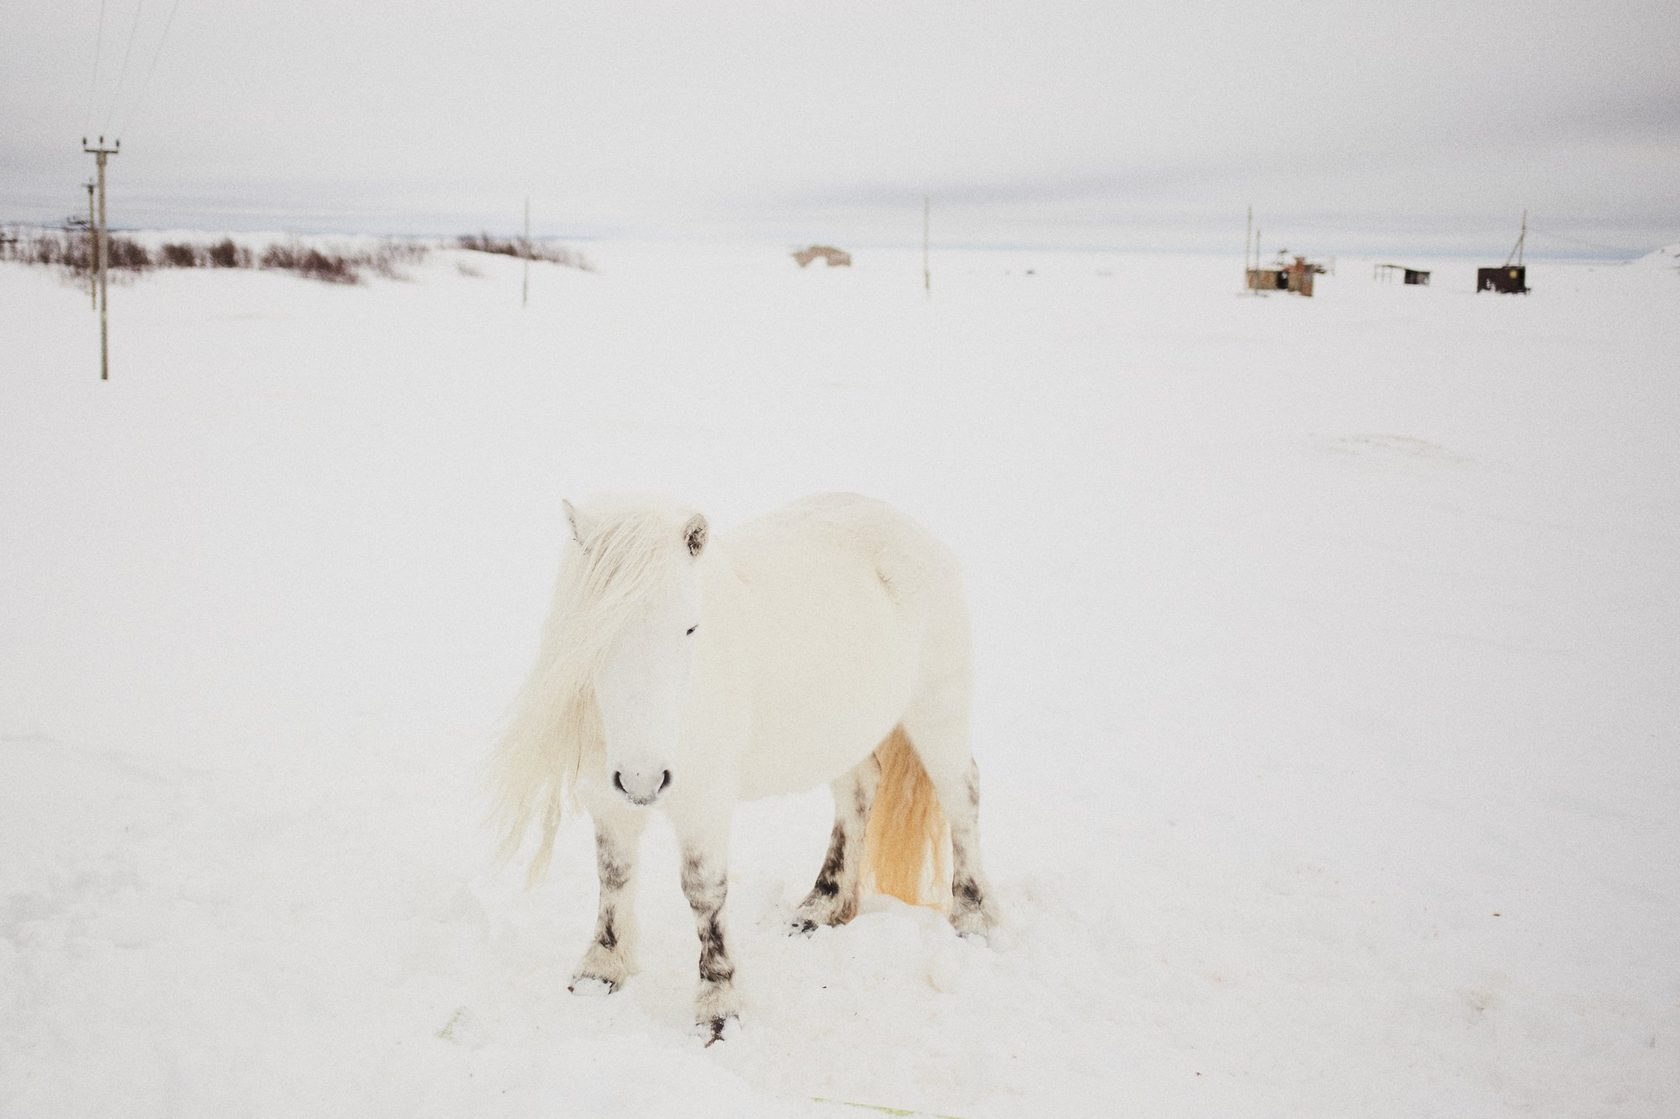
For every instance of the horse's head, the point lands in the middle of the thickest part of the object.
(642, 684)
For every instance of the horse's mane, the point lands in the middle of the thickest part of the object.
(628, 552)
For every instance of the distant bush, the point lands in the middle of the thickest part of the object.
(70, 250)
(553, 254)
(310, 262)
(127, 253)
(385, 257)
(226, 254)
(173, 255)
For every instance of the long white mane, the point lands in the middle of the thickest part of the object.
(624, 553)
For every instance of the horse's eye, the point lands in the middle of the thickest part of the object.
(692, 628)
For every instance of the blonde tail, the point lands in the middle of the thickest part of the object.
(907, 830)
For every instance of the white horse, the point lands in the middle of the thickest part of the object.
(826, 642)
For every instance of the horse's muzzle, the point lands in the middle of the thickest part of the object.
(643, 787)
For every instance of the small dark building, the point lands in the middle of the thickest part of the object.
(1411, 275)
(1511, 279)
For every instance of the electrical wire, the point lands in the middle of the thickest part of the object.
(146, 83)
(123, 72)
(93, 89)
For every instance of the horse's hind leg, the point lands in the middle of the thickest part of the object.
(834, 898)
(938, 731)
(610, 958)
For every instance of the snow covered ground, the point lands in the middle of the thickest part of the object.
(1328, 713)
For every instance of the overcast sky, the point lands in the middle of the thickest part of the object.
(1349, 126)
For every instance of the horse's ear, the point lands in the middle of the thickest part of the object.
(694, 534)
(580, 524)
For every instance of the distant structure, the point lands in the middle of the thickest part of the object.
(1512, 280)
(1296, 276)
(835, 258)
(1509, 278)
(1387, 272)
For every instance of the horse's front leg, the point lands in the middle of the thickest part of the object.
(705, 882)
(611, 956)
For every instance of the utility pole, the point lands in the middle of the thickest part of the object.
(104, 242)
(1516, 252)
(93, 252)
(1249, 236)
(927, 277)
(525, 284)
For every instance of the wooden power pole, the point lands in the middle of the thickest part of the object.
(104, 253)
(927, 277)
(93, 252)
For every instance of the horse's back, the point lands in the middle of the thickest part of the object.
(901, 553)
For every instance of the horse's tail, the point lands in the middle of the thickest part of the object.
(905, 837)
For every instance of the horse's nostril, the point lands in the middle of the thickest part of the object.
(618, 782)
(665, 780)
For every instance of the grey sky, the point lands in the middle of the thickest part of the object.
(1349, 126)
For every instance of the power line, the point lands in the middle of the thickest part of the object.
(146, 83)
(98, 49)
(123, 72)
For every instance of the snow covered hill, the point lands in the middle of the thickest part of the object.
(1327, 719)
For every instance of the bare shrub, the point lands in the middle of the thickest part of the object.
(176, 255)
(226, 254)
(127, 253)
(310, 262)
(552, 254)
(386, 258)
(69, 249)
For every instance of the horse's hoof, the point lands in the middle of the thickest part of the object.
(973, 924)
(714, 1029)
(592, 986)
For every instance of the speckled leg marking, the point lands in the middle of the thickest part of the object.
(834, 898)
(609, 960)
(705, 883)
(972, 912)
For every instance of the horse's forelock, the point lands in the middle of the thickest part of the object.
(628, 559)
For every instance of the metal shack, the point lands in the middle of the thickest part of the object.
(1511, 279)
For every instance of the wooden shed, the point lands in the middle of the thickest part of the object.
(1387, 272)
(1296, 276)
